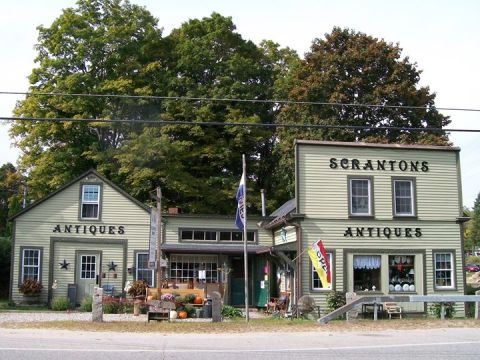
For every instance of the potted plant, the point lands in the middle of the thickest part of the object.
(31, 289)
(138, 289)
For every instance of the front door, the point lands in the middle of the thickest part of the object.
(87, 274)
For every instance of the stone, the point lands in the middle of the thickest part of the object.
(216, 307)
(352, 314)
(97, 304)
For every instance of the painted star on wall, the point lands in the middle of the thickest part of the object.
(64, 265)
(112, 266)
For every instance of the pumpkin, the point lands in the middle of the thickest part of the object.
(150, 297)
(198, 300)
(182, 314)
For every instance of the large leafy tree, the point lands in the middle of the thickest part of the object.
(99, 47)
(473, 239)
(349, 67)
(199, 166)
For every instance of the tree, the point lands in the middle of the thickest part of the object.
(474, 238)
(100, 47)
(348, 67)
(199, 167)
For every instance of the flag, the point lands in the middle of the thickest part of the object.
(320, 262)
(240, 219)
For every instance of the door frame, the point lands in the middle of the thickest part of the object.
(78, 254)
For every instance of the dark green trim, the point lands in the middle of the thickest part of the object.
(85, 174)
(371, 197)
(454, 269)
(413, 181)
(40, 262)
(297, 171)
(54, 240)
(100, 201)
(461, 216)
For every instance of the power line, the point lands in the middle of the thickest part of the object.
(260, 101)
(218, 123)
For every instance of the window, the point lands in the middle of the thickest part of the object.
(366, 272)
(186, 268)
(88, 267)
(30, 264)
(214, 235)
(443, 270)
(316, 282)
(360, 202)
(90, 201)
(236, 236)
(401, 270)
(142, 270)
(198, 235)
(403, 197)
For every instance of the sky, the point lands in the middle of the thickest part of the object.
(442, 37)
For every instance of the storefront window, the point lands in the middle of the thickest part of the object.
(186, 268)
(401, 272)
(366, 272)
(143, 271)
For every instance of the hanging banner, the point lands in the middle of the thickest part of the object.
(152, 244)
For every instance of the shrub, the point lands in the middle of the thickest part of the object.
(86, 304)
(435, 309)
(335, 300)
(59, 304)
(229, 312)
(110, 306)
(472, 260)
(30, 287)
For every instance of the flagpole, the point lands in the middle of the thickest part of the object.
(245, 253)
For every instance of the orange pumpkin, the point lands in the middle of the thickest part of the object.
(198, 300)
(150, 297)
(182, 315)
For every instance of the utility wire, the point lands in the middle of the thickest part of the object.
(218, 123)
(262, 101)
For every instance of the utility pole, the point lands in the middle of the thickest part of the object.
(158, 258)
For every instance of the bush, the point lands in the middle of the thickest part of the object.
(59, 304)
(86, 304)
(335, 300)
(110, 306)
(229, 312)
(435, 309)
(472, 260)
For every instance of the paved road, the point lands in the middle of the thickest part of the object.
(37, 344)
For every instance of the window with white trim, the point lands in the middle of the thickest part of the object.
(90, 201)
(443, 262)
(316, 282)
(142, 270)
(360, 197)
(186, 267)
(403, 197)
(31, 264)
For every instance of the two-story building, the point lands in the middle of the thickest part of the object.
(389, 216)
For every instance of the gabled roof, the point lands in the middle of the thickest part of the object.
(60, 189)
(282, 214)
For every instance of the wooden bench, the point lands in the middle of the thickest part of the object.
(392, 309)
(159, 310)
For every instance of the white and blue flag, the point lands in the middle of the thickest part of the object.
(240, 219)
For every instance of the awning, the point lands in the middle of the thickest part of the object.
(214, 248)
